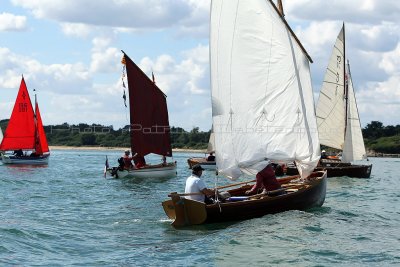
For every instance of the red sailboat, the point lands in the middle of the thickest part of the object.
(149, 125)
(25, 134)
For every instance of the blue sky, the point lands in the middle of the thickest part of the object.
(69, 51)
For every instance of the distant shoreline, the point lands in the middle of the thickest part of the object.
(177, 150)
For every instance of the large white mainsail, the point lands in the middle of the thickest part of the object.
(263, 107)
(337, 128)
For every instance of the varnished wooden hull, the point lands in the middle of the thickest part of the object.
(310, 194)
(207, 165)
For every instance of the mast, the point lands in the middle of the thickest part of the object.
(346, 83)
(280, 8)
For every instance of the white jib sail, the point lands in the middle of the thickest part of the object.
(354, 148)
(262, 101)
(331, 102)
(211, 143)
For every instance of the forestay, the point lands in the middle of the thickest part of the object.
(262, 99)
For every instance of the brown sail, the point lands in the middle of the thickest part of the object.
(150, 132)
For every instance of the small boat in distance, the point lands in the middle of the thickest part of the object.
(263, 111)
(207, 162)
(25, 133)
(149, 125)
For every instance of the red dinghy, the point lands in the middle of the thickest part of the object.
(25, 133)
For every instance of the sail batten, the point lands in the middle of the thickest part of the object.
(261, 90)
(149, 129)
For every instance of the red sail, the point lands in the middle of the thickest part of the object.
(150, 132)
(20, 132)
(41, 145)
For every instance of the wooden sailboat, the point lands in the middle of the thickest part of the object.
(338, 120)
(205, 162)
(25, 132)
(149, 131)
(263, 109)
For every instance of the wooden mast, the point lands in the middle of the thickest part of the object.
(290, 29)
(280, 8)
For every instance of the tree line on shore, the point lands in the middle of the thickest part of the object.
(377, 137)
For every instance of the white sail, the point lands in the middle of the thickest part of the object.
(1, 135)
(211, 143)
(331, 102)
(263, 107)
(331, 107)
(354, 148)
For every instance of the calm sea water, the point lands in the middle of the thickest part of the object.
(68, 214)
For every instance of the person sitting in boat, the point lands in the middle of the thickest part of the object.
(139, 161)
(211, 157)
(164, 161)
(266, 180)
(195, 185)
(323, 154)
(33, 154)
(18, 153)
(127, 160)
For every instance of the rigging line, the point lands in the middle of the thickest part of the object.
(231, 59)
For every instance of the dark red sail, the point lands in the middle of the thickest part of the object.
(150, 132)
(20, 132)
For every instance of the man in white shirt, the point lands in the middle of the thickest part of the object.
(195, 185)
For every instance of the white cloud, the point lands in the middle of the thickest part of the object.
(11, 22)
(76, 29)
(391, 61)
(115, 13)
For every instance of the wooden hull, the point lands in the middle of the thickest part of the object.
(306, 195)
(151, 172)
(26, 160)
(341, 169)
(207, 165)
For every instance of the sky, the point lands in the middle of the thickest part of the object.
(70, 53)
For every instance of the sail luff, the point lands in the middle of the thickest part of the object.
(261, 90)
(149, 129)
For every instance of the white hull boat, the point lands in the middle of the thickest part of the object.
(151, 171)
